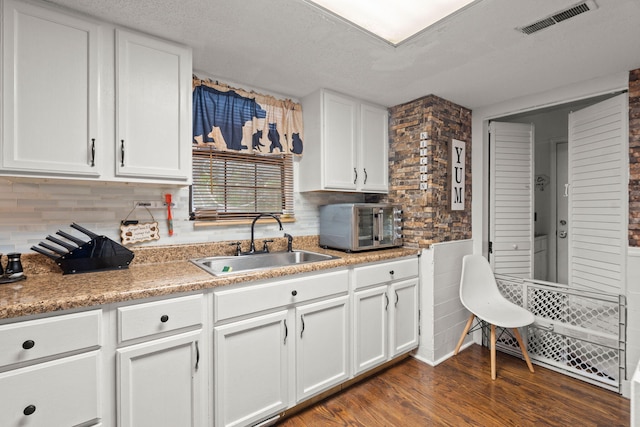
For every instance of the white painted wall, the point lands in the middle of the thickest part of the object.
(442, 314)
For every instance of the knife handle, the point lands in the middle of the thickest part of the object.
(84, 230)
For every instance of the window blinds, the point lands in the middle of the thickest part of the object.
(230, 186)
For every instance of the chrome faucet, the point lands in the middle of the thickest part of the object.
(252, 247)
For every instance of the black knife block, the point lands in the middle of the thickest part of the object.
(80, 256)
(98, 254)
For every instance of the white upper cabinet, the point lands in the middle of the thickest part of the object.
(339, 135)
(373, 146)
(346, 144)
(84, 100)
(153, 86)
(50, 93)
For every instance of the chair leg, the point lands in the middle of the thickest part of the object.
(493, 352)
(523, 348)
(464, 333)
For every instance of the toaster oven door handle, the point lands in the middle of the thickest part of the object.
(380, 218)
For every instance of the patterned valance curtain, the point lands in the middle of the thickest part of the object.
(233, 119)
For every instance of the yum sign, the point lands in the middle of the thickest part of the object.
(457, 152)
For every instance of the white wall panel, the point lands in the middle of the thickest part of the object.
(443, 315)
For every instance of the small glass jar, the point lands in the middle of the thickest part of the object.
(14, 266)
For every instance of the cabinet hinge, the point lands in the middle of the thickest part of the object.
(490, 247)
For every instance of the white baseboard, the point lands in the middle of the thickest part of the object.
(442, 359)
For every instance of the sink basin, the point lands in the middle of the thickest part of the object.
(224, 265)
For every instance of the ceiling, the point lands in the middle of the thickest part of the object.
(475, 58)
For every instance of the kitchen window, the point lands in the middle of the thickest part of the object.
(234, 186)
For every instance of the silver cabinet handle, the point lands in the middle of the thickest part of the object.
(302, 320)
(355, 171)
(122, 152)
(365, 175)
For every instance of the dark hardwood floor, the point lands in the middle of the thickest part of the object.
(460, 392)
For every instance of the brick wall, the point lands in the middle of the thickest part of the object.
(427, 213)
(634, 158)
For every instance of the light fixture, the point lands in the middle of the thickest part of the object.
(392, 20)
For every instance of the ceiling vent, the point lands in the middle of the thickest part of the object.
(559, 16)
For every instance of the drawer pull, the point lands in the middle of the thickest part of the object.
(164, 318)
(28, 344)
(29, 410)
(294, 293)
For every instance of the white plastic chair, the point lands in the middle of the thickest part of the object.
(480, 295)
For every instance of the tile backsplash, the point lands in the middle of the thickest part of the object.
(31, 209)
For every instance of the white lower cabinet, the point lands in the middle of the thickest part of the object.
(385, 310)
(403, 326)
(322, 346)
(295, 346)
(161, 369)
(371, 328)
(51, 371)
(160, 383)
(271, 344)
(251, 369)
(62, 392)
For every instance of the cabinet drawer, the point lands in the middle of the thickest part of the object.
(385, 272)
(143, 320)
(63, 392)
(33, 339)
(255, 298)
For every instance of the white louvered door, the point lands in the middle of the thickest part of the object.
(511, 198)
(598, 182)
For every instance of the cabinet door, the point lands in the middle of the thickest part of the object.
(162, 382)
(322, 346)
(339, 139)
(251, 369)
(62, 392)
(373, 146)
(50, 92)
(370, 328)
(404, 316)
(153, 104)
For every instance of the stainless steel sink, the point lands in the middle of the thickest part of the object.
(224, 265)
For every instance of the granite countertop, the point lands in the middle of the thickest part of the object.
(155, 271)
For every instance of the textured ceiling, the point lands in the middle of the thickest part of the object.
(475, 59)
